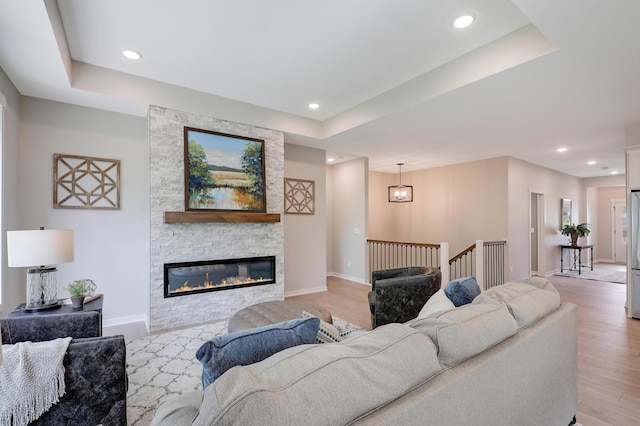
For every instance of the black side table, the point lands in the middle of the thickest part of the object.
(577, 257)
(63, 321)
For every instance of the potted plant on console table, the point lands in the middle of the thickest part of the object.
(576, 231)
(78, 290)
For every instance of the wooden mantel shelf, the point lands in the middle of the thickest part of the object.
(228, 217)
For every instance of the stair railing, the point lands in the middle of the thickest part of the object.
(487, 264)
(394, 254)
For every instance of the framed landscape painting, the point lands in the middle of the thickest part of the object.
(223, 172)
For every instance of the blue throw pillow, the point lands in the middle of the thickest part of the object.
(249, 346)
(462, 290)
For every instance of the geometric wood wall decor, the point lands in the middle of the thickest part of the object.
(299, 196)
(85, 182)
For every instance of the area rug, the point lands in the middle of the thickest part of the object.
(608, 275)
(161, 366)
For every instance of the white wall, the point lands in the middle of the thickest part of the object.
(524, 178)
(329, 216)
(349, 211)
(13, 281)
(603, 245)
(600, 235)
(385, 217)
(487, 200)
(111, 247)
(305, 247)
(458, 204)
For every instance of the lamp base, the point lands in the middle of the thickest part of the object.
(37, 308)
(42, 288)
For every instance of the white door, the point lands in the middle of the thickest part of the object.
(533, 236)
(537, 264)
(620, 229)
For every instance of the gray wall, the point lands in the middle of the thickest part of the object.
(305, 235)
(12, 280)
(349, 219)
(110, 245)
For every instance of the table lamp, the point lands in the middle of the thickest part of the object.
(40, 251)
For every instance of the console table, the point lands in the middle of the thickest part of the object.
(577, 257)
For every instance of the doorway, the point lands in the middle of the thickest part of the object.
(619, 231)
(536, 234)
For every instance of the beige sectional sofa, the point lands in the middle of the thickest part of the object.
(508, 358)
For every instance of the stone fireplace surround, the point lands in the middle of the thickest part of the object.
(184, 242)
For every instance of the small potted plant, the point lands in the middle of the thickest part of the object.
(576, 231)
(78, 290)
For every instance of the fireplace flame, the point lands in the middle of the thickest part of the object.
(224, 282)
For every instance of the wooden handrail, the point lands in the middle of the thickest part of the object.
(471, 247)
(462, 253)
(406, 244)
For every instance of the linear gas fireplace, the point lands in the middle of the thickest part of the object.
(185, 278)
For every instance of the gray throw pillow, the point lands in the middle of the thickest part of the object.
(462, 290)
(249, 346)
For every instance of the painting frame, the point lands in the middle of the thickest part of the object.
(223, 172)
(565, 212)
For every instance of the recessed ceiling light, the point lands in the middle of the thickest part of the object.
(331, 160)
(591, 163)
(314, 106)
(614, 172)
(562, 149)
(132, 54)
(463, 21)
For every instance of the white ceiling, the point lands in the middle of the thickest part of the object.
(394, 80)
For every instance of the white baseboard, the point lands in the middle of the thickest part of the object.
(305, 291)
(356, 280)
(126, 320)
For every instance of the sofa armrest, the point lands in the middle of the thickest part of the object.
(400, 299)
(96, 384)
(181, 410)
(384, 274)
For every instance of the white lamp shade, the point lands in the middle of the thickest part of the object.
(39, 248)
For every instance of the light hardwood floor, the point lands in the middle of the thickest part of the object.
(608, 343)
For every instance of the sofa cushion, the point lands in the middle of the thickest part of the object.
(323, 384)
(466, 331)
(352, 332)
(436, 303)
(179, 410)
(462, 290)
(528, 299)
(255, 344)
(327, 333)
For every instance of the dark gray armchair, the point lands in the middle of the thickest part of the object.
(397, 295)
(95, 369)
